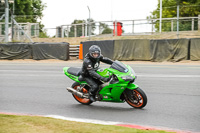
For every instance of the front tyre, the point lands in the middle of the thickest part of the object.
(136, 98)
(81, 100)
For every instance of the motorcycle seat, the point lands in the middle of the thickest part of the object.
(74, 71)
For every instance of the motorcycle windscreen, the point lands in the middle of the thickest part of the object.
(117, 65)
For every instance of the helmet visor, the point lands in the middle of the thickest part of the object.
(95, 54)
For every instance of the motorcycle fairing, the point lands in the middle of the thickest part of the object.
(110, 92)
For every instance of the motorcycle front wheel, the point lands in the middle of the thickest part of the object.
(81, 100)
(136, 98)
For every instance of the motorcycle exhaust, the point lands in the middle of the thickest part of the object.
(75, 92)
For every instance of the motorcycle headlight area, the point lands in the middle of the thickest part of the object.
(133, 73)
(127, 78)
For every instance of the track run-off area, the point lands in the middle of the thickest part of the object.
(39, 88)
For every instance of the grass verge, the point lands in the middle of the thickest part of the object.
(37, 124)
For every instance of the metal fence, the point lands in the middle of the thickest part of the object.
(129, 27)
(16, 33)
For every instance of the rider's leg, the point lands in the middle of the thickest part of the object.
(93, 87)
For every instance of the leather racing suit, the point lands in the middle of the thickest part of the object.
(89, 74)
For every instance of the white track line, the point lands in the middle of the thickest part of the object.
(83, 120)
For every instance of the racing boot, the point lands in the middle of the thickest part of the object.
(92, 97)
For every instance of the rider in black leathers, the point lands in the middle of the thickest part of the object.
(90, 66)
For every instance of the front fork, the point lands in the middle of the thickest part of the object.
(129, 93)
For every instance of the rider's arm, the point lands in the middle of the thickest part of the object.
(88, 65)
(93, 73)
(106, 60)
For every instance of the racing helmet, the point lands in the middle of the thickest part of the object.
(94, 52)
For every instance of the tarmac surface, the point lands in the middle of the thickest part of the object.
(39, 88)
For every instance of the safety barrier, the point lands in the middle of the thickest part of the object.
(41, 51)
(194, 49)
(137, 49)
(107, 47)
(147, 50)
(36, 51)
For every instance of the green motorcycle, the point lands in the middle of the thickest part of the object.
(119, 89)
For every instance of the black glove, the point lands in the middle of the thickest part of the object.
(105, 79)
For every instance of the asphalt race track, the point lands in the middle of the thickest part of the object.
(173, 93)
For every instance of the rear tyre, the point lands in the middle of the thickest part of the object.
(136, 98)
(81, 100)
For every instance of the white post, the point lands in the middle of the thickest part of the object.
(75, 31)
(172, 25)
(82, 29)
(6, 20)
(99, 29)
(115, 27)
(12, 20)
(178, 21)
(14, 32)
(160, 16)
(35, 31)
(18, 33)
(57, 31)
(38, 30)
(28, 30)
(152, 26)
(62, 31)
(86, 29)
(68, 31)
(199, 23)
(192, 24)
(89, 23)
(133, 27)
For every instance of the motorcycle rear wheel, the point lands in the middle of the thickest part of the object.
(81, 100)
(136, 98)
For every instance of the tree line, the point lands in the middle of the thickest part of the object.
(188, 8)
(31, 10)
(26, 11)
(103, 27)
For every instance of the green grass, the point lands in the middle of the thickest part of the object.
(36, 124)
